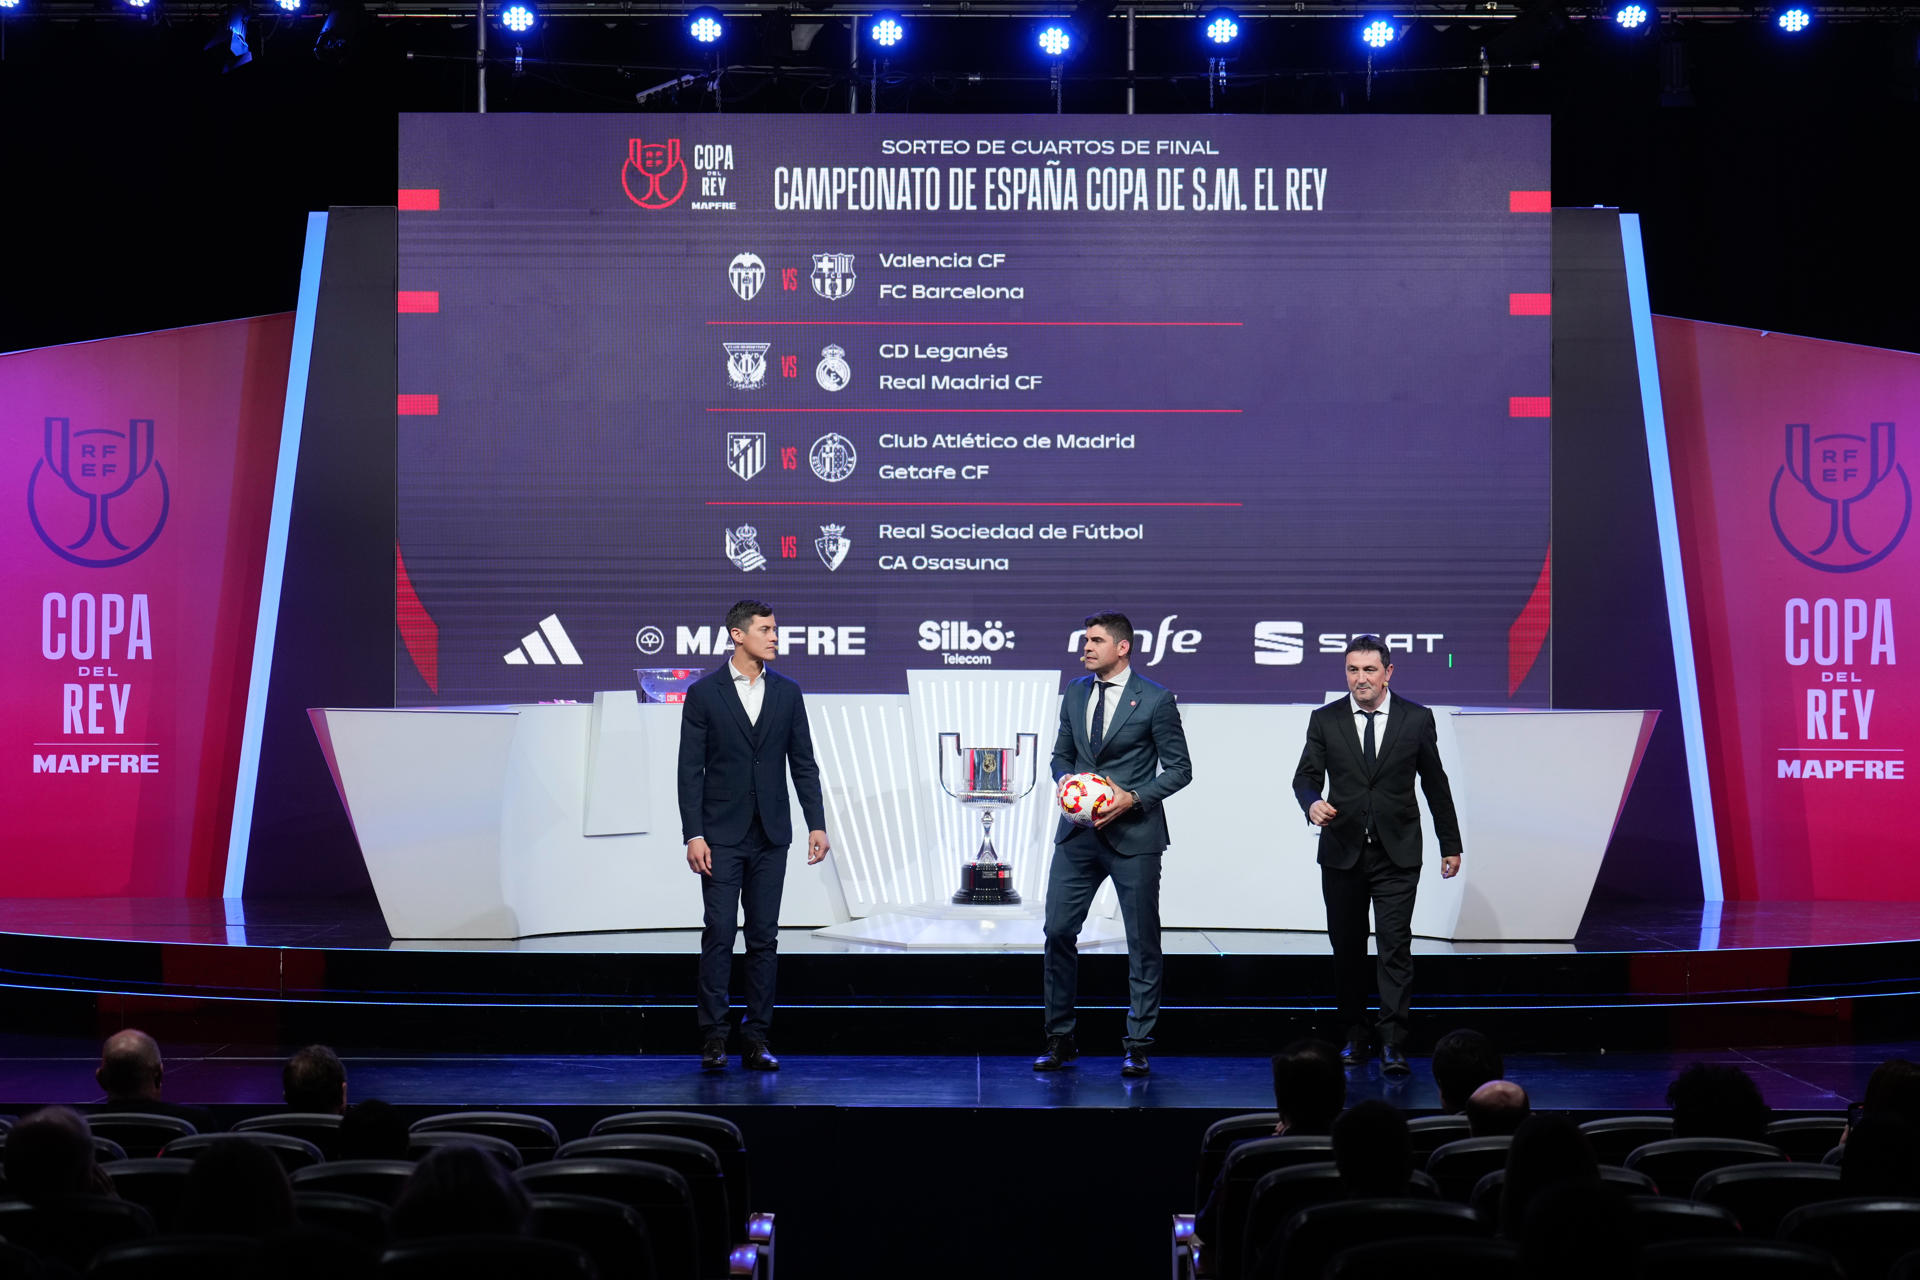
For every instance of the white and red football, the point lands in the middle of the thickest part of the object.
(1084, 797)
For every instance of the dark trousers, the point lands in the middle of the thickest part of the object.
(1078, 868)
(750, 874)
(1389, 887)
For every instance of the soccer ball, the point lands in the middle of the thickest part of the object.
(1084, 797)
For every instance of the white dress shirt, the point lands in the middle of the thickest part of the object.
(1115, 683)
(752, 690)
(1379, 722)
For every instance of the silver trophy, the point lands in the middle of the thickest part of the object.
(990, 779)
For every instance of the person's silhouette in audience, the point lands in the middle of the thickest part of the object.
(1546, 1151)
(1497, 1107)
(1580, 1230)
(237, 1188)
(1883, 1157)
(458, 1190)
(130, 1074)
(1717, 1100)
(1464, 1060)
(1893, 1088)
(315, 1080)
(1372, 1150)
(372, 1130)
(49, 1154)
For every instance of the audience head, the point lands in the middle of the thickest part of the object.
(315, 1080)
(237, 1188)
(1464, 1060)
(1497, 1107)
(372, 1130)
(1894, 1088)
(1546, 1151)
(1581, 1230)
(130, 1067)
(50, 1154)
(1883, 1157)
(1372, 1150)
(1309, 1088)
(1717, 1100)
(459, 1190)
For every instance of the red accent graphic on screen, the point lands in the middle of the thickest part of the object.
(419, 302)
(418, 631)
(1530, 406)
(419, 200)
(419, 406)
(1528, 634)
(654, 175)
(1529, 304)
(1529, 202)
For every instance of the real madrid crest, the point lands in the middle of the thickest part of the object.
(832, 372)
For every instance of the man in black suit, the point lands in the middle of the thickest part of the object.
(743, 727)
(1368, 748)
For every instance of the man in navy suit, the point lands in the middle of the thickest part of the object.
(1114, 723)
(742, 729)
(1367, 748)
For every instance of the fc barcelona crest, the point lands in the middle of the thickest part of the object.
(833, 277)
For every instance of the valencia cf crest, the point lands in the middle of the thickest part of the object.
(833, 277)
(746, 273)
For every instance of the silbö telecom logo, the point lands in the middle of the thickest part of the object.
(98, 497)
(1842, 515)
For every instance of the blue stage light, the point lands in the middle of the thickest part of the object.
(706, 26)
(1793, 21)
(138, 6)
(886, 30)
(9, 5)
(288, 6)
(519, 17)
(1221, 28)
(1632, 16)
(1378, 33)
(1055, 40)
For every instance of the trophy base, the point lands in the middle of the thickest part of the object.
(986, 884)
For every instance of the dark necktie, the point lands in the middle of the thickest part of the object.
(1098, 733)
(1366, 744)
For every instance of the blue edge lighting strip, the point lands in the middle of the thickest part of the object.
(1660, 465)
(268, 624)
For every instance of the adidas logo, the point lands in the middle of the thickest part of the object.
(535, 650)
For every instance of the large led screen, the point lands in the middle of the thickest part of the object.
(938, 387)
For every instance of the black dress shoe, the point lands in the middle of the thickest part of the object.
(1135, 1065)
(713, 1054)
(757, 1057)
(1355, 1051)
(1061, 1051)
(1393, 1060)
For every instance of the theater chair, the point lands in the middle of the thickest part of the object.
(536, 1138)
(1458, 1166)
(74, 1228)
(694, 1161)
(355, 1218)
(1762, 1195)
(612, 1234)
(376, 1180)
(294, 1154)
(723, 1136)
(1660, 1219)
(1615, 1137)
(157, 1184)
(485, 1258)
(179, 1258)
(1807, 1139)
(1222, 1135)
(658, 1194)
(1284, 1192)
(1737, 1260)
(1867, 1234)
(419, 1144)
(140, 1135)
(1485, 1200)
(1676, 1164)
(1429, 1133)
(1305, 1245)
(1428, 1258)
(17, 1264)
(321, 1128)
(1244, 1166)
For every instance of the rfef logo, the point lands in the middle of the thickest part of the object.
(654, 175)
(1842, 516)
(98, 497)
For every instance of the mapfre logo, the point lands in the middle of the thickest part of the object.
(654, 175)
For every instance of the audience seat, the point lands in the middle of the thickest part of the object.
(1458, 1166)
(17, 1264)
(1906, 1267)
(1429, 1133)
(1660, 1219)
(1806, 1139)
(139, 1134)
(71, 1230)
(1279, 1195)
(486, 1258)
(536, 1138)
(355, 1217)
(294, 1154)
(1867, 1234)
(1244, 1166)
(419, 1144)
(105, 1149)
(660, 1195)
(1614, 1137)
(722, 1135)
(1761, 1195)
(1736, 1260)
(1485, 1200)
(157, 1184)
(694, 1161)
(179, 1258)
(1214, 1144)
(321, 1128)
(1676, 1164)
(1427, 1258)
(1303, 1246)
(612, 1234)
(378, 1180)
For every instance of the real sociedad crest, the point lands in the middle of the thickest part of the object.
(833, 276)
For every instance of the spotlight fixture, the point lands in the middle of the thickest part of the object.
(139, 6)
(517, 17)
(8, 6)
(1635, 17)
(1794, 20)
(886, 31)
(1378, 33)
(229, 41)
(706, 26)
(338, 32)
(287, 6)
(1220, 28)
(1055, 40)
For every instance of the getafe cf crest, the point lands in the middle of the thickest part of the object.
(747, 365)
(743, 548)
(833, 457)
(833, 545)
(746, 453)
(746, 273)
(833, 276)
(832, 372)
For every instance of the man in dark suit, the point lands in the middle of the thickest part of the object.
(1367, 748)
(742, 729)
(1126, 729)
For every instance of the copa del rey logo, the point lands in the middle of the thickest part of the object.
(654, 176)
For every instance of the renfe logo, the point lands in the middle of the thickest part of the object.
(654, 175)
(1158, 642)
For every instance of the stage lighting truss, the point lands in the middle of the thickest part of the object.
(1794, 19)
(519, 17)
(706, 26)
(886, 31)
